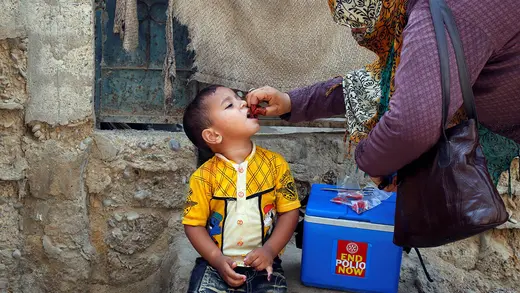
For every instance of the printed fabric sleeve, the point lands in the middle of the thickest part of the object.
(412, 125)
(196, 208)
(320, 100)
(285, 188)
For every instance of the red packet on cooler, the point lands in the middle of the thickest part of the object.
(347, 197)
(360, 206)
(360, 202)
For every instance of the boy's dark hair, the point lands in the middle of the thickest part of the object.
(196, 118)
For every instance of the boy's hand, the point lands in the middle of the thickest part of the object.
(225, 267)
(260, 258)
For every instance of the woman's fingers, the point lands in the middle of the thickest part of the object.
(391, 187)
(278, 103)
(257, 96)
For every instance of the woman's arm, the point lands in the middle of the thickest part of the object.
(413, 123)
(320, 100)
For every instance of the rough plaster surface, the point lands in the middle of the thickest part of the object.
(56, 214)
(13, 95)
(11, 24)
(61, 54)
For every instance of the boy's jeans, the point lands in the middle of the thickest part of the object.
(205, 279)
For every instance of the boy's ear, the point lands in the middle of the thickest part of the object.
(211, 137)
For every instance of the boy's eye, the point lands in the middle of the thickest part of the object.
(229, 106)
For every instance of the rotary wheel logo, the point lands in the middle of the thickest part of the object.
(352, 248)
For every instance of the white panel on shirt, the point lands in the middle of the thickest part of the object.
(242, 228)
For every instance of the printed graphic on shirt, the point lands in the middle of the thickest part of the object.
(214, 228)
(269, 218)
(189, 203)
(288, 189)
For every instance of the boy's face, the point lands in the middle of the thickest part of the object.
(229, 115)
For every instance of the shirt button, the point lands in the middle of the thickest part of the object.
(240, 222)
(241, 194)
(240, 243)
(241, 170)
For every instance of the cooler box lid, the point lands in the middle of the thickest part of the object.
(319, 205)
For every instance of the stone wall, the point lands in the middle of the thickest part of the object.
(136, 185)
(83, 210)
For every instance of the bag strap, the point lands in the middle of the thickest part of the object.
(442, 48)
(428, 277)
(442, 15)
(464, 78)
(408, 250)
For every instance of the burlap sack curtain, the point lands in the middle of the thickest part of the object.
(126, 24)
(251, 43)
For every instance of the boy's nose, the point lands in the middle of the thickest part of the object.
(243, 104)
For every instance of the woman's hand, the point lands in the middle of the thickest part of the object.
(279, 103)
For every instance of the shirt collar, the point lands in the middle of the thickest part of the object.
(251, 155)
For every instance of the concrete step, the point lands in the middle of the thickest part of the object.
(291, 263)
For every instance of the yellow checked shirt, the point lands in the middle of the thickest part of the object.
(238, 203)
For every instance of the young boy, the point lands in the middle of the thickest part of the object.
(242, 205)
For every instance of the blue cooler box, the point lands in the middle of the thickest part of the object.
(346, 251)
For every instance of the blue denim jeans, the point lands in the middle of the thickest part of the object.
(205, 279)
